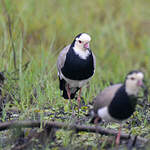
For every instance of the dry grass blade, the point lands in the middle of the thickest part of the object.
(10, 31)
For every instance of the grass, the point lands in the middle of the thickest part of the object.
(40, 29)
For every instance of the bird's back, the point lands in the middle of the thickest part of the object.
(105, 97)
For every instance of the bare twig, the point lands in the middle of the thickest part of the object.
(10, 31)
(58, 125)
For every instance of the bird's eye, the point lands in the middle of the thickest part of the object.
(132, 78)
(80, 41)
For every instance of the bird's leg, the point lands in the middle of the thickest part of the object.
(79, 98)
(96, 120)
(118, 136)
(68, 93)
(69, 96)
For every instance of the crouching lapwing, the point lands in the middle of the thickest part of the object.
(76, 66)
(117, 102)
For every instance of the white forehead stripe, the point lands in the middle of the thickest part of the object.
(84, 37)
(139, 75)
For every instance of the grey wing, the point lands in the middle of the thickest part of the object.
(105, 97)
(61, 59)
(94, 58)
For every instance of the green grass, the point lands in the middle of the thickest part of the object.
(40, 29)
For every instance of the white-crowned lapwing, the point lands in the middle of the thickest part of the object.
(76, 66)
(117, 102)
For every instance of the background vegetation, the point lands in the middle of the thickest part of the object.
(120, 32)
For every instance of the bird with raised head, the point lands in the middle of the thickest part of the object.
(117, 102)
(76, 65)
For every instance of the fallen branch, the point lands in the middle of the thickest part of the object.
(58, 125)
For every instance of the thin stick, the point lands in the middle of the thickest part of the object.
(58, 125)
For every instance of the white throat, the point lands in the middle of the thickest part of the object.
(81, 52)
(132, 90)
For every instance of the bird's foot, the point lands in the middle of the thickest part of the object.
(118, 137)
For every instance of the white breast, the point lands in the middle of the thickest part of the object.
(104, 114)
(75, 83)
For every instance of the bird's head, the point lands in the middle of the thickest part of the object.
(133, 82)
(82, 41)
